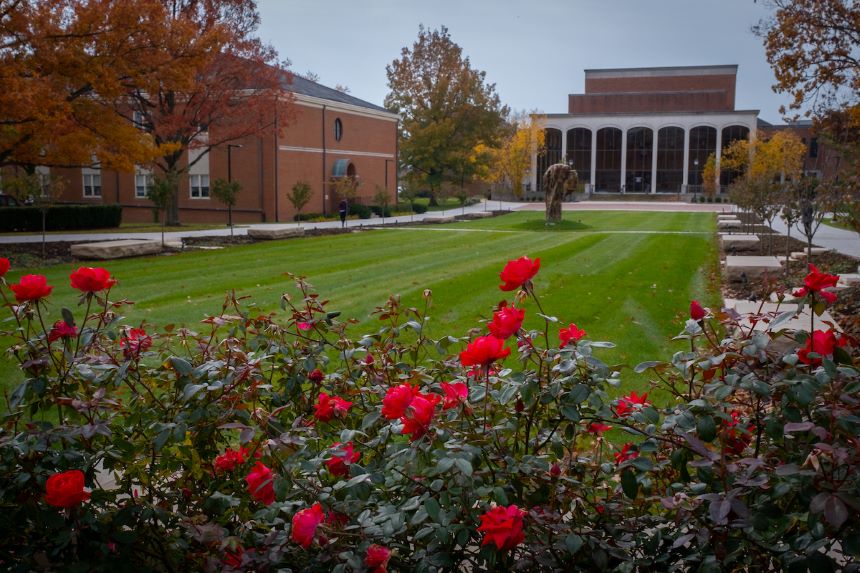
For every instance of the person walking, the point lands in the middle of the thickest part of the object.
(342, 209)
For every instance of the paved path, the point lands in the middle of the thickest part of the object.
(669, 206)
(845, 242)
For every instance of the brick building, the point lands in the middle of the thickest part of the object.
(334, 135)
(646, 130)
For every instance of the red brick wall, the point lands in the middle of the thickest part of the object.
(713, 100)
(716, 92)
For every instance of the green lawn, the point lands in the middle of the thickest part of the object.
(624, 277)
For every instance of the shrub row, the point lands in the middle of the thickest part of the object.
(60, 217)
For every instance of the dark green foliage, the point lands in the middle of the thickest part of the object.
(60, 218)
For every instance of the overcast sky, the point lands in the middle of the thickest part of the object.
(534, 51)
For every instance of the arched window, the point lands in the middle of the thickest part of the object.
(703, 142)
(579, 152)
(670, 159)
(338, 129)
(552, 154)
(608, 170)
(731, 134)
(640, 151)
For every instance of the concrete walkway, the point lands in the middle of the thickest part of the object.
(845, 242)
(243, 229)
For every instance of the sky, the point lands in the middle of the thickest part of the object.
(535, 51)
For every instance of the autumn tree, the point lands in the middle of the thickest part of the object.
(63, 65)
(446, 109)
(236, 90)
(299, 197)
(512, 160)
(227, 192)
(765, 164)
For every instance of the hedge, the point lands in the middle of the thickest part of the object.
(60, 217)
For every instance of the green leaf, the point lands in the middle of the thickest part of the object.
(182, 366)
(464, 466)
(629, 484)
(190, 390)
(573, 543)
(68, 318)
(431, 506)
(706, 427)
(571, 413)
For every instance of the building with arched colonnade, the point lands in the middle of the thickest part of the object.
(646, 130)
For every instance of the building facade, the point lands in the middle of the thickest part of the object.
(646, 130)
(334, 135)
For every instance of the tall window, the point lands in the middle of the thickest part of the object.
(92, 183)
(551, 156)
(608, 172)
(731, 134)
(670, 159)
(142, 183)
(199, 186)
(703, 142)
(338, 129)
(579, 152)
(640, 150)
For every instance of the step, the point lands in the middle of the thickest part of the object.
(437, 219)
(274, 233)
(772, 310)
(120, 249)
(752, 267)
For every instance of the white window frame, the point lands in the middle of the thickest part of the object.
(145, 177)
(196, 187)
(92, 180)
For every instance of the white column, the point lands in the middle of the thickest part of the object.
(563, 146)
(686, 181)
(718, 155)
(655, 134)
(623, 159)
(593, 158)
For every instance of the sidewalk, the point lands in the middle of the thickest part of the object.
(243, 230)
(845, 242)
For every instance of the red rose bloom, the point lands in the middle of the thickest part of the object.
(822, 343)
(598, 428)
(736, 439)
(61, 330)
(417, 420)
(627, 404)
(4, 266)
(817, 281)
(377, 558)
(571, 333)
(134, 342)
(327, 407)
(316, 376)
(519, 272)
(626, 453)
(228, 461)
(454, 394)
(31, 287)
(261, 484)
(506, 321)
(89, 279)
(696, 311)
(66, 489)
(483, 351)
(503, 526)
(397, 399)
(305, 524)
(338, 464)
(234, 558)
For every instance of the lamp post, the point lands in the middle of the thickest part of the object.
(696, 169)
(230, 147)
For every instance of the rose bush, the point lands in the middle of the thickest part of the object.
(259, 441)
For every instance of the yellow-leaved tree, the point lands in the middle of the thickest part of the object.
(512, 160)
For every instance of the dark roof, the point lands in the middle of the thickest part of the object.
(300, 85)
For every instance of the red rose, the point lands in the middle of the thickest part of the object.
(483, 351)
(417, 420)
(316, 376)
(598, 428)
(305, 524)
(626, 453)
(261, 484)
(89, 279)
(454, 394)
(503, 526)
(377, 558)
(4, 266)
(572, 332)
(228, 461)
(696, 311)
(627, 404)
(338, 464)
(31, 287)
(135, 341)
(736, 439)
(397, 399)
(506, 321)
(822, 343)
(327, 407)
(61, 330)
(234, 558)
(517, 273)
(66, 489)
(817, 281)
(555, 470)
